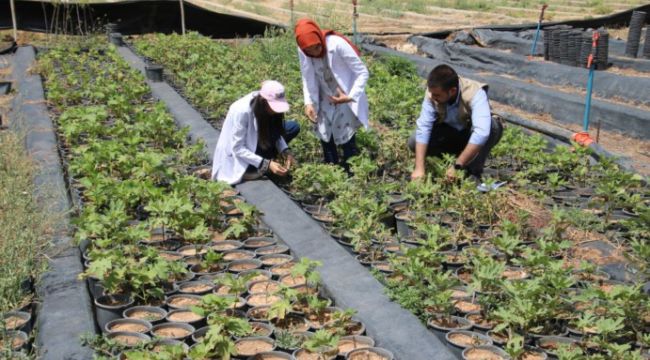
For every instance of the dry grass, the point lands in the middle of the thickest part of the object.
(23, 226)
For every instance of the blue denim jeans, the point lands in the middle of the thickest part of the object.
(331, 153)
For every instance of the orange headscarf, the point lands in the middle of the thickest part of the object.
(308, 33)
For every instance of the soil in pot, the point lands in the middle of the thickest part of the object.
(170, 255)
(15, 322)
(192, 250)
(291, 323)
(480, 322)
(369, 354)
(196, 287)
(449, 322)
(272, 355)
(238, 255)
(465, 339)
(256, 243)
(261, 329)
(531, 354)
(226, 245)
(274, 249)
(145, 314)
(129, 327)
(464, 307)
(268, 287)
(303, 354)
(275, 259)
(171, 332)
(129, 339)
(184, 316)
(13, 339)
(283, 269)
(262, 299)
(290, 280)
(482, 353)
(349, 343)
(514, 274)
(243, 265)
(253, 346)
(184, 302)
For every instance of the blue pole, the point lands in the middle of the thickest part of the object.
(539, 26)
(534, 47)
(590, 83)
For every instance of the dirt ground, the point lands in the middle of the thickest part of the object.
(635, 150)
(412, 16)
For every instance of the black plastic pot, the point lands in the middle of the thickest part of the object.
(199, 322)
(154, 72)
(273, 249)
(275, 259)
(253, 243)
(186, 287)
(227, 245)
(244, 265)
(330, 354)
(546, 340)
(9, 337)
(110, 307)
(159, 312)
(5, 87)
(169, 301)
(23, 324)
(481, 339)
(272, 355)
(234, 255)
(463, 324)
(137, 338)
(357, 341)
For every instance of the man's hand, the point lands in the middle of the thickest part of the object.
(417, 174)
(451, 174)
(277, 169)
(310, 112)
(340, 97)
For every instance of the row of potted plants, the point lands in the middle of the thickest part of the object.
(433, 237)
(168, 255)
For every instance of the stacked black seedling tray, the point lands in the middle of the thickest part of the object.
(547, 43)
(574, 47)
(585, 49)
(603, 50)
(634, 36)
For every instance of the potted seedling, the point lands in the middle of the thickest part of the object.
(323, 344)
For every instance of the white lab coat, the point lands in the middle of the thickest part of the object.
(349, 71)
(238, 142)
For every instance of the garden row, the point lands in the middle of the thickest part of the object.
(23, 232)
(519, 266)
(178, 267)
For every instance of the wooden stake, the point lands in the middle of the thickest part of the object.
(13, 19)
(182, 17)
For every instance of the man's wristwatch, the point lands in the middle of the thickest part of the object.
(458, 166)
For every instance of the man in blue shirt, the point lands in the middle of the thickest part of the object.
(455, 119)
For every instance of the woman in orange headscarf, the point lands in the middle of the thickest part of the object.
(334, 79)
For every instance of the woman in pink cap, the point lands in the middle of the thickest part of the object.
(253, 135)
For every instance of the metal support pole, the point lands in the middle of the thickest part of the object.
(182, 17)
(13, 19)
(355, 15)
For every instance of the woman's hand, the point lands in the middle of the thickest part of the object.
(310, 112)
(277, 169)
(340, 98)
(290, 161)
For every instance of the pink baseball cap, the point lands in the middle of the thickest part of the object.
(273, 92)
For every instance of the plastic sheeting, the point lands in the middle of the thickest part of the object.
(607, 85)
(135, 17)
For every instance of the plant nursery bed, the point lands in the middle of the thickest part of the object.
(518, 242)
